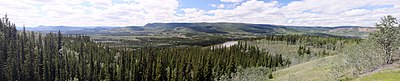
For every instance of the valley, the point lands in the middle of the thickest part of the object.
(216, 51)
(201, 34)
(295, 47)
(199, 40)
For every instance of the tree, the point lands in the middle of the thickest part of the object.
(54, 57)
(60, 61)
(387, 36)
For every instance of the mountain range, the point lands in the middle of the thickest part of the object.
(207, 28)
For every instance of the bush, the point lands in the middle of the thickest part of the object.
(249, 74)
(358, 59)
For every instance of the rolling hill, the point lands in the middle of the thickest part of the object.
(69, 29)
(210, 28)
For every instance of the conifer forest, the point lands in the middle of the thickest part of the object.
(216, 40)
(34, 56)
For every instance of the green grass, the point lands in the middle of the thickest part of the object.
(288, 51)
(381, 76)
(389, 74)
(315, 70)
(320, 70)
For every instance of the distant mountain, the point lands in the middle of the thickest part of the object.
(209, 28)
(243, 28)
(69, 29)
(216, 28)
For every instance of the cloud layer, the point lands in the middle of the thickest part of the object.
(140, 12)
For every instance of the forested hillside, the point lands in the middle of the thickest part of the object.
(34, 56)
(31, 56)
(186, 29)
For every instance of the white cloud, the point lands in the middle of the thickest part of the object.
(95, 12)
(356, 12)
(221, 6)
(213, 5)
(140, 12)
(218, 6)
(232, 0)
(251, 11)
(309, 12)
(100, 3)
(158, 10)
(246, 8)
(193, 13)
(339, 12)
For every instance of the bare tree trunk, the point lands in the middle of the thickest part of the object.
(388, 53)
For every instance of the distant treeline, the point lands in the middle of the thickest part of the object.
(311, 40)
(329, 42)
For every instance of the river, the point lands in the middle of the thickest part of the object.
(226, 44)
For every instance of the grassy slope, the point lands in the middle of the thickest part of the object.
(287, 51)
(388, 74)
(320, 70)
(315, 70)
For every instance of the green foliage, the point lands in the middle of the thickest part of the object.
(392, 74)
(174, 63)
(54, 57)
(314, 70)
(354, 59)
(302, 48)
(387, 36)
(31, 56)
(359, 59)
(249, 74)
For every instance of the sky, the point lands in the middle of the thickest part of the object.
(33, 13)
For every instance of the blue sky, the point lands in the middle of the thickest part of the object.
(140, 12)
